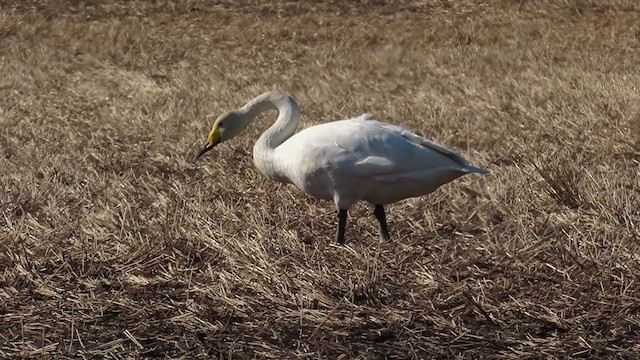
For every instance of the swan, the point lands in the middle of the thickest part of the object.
(347, 161)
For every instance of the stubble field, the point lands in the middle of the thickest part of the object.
(116, 243)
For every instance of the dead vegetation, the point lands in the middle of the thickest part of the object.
(116, 243)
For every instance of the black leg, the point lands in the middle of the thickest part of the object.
(342, 222)
(382, 219)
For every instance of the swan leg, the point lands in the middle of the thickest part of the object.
(382, 219)
(342, 222)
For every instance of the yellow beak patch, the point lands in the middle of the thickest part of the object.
(214, 137)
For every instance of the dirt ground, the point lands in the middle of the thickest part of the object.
(117, 243)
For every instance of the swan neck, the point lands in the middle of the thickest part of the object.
(264, 154)
(286, 123)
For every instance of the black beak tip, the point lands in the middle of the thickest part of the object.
(203, 151)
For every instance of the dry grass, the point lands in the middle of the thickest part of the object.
(116, 243)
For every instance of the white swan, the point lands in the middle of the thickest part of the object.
(345, 161)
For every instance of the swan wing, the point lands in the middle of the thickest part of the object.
(417, 139)
(389, 153)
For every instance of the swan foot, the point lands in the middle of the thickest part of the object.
(382, 219)
(342, 222)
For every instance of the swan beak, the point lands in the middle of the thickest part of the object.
(214, 139)
(206, 148)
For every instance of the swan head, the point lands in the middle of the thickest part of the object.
(226, 126)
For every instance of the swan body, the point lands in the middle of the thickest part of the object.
(347, 161)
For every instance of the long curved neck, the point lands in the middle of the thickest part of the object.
(284, 126)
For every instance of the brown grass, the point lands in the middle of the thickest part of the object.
(116, 243)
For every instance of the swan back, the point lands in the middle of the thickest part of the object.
(365, 159)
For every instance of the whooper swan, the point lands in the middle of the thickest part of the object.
(345, 161)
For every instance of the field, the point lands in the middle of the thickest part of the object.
(117, 243)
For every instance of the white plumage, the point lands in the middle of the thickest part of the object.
(346, 161)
